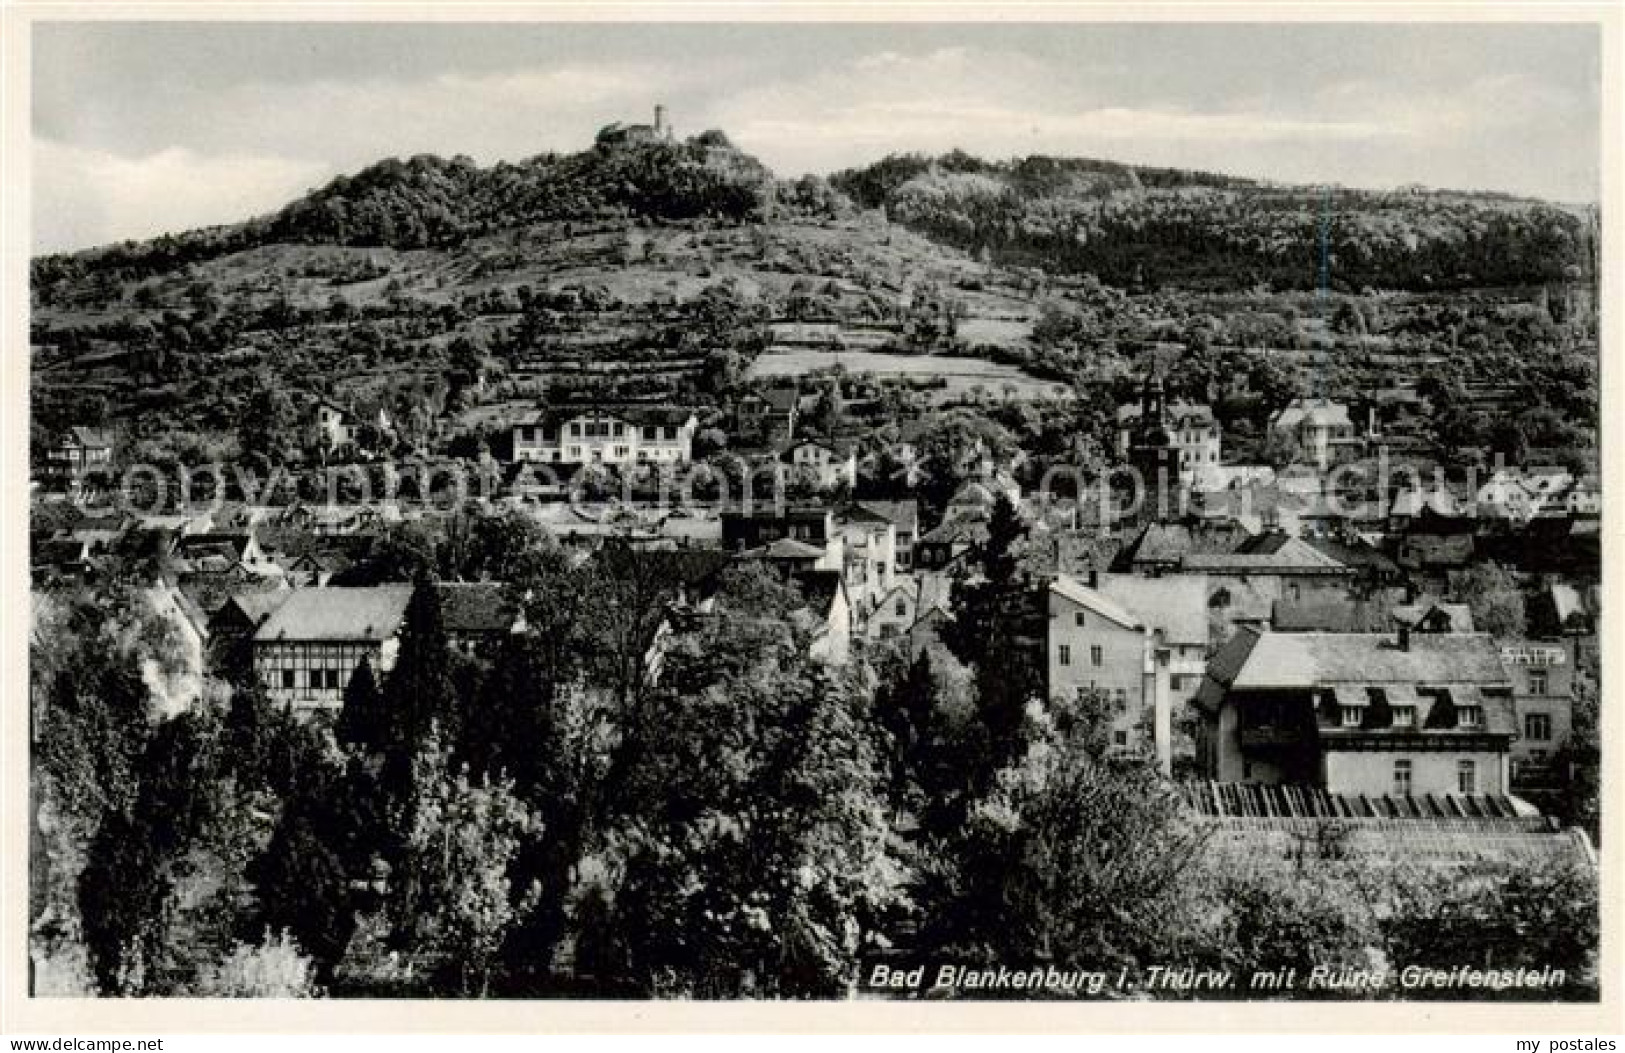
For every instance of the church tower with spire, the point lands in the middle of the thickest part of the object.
(1152, 453)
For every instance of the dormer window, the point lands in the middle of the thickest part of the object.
(1470, 716)
(1404, 716)
(1351, 716)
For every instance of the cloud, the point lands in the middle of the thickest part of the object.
(1360, 130)
(85, 197)
(117, 164)
(259, 145)
(1002, 103)
(505, 115)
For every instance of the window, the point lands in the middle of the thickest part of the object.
(1351, 715)
(1119, 737)
(1537, 727)
(1078, 619)
(287, 679)
(1096, 655)
(651, 433)
(334, 680)
(1404, 716)
(1122, 696)
(1537, 681)
(1470, 717)
(1065, 657)
(1467, 776)
(1402, 778)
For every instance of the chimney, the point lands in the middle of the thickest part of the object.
(660, 120)
(1094, 576)
(1404, 635)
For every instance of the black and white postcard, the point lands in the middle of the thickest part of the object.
(899, 508)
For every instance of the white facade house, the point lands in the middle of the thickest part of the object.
(1140, 642)
(607, 435)
(1584, 497)
(831, 464)
(333, 424)
(1192, 433)
(1519, 495)
(1321, 427)
(902, 610)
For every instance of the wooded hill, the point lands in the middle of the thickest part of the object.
(1137, 227)
(1132, 226)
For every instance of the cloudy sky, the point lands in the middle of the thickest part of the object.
(142, 128)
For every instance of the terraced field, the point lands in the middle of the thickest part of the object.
(962, 374)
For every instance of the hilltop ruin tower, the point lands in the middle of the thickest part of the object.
(622, 135)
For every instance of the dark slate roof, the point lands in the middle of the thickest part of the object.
(1172, 542)
(1437, 550)
(193, 545)
(819, 587)
(631, 413)
(905, 515)
(839, 447)
(59, 552)
(1331, 614)
(1078, 553)
(254, 607)
(787, 549)
(783, 400)
(961, 530)
(91, 438)
(1290, 555)
(1354, 553)
(1460, 615)
(1180, 414)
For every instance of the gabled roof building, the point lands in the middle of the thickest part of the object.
(310, 646)
(1375, 713)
